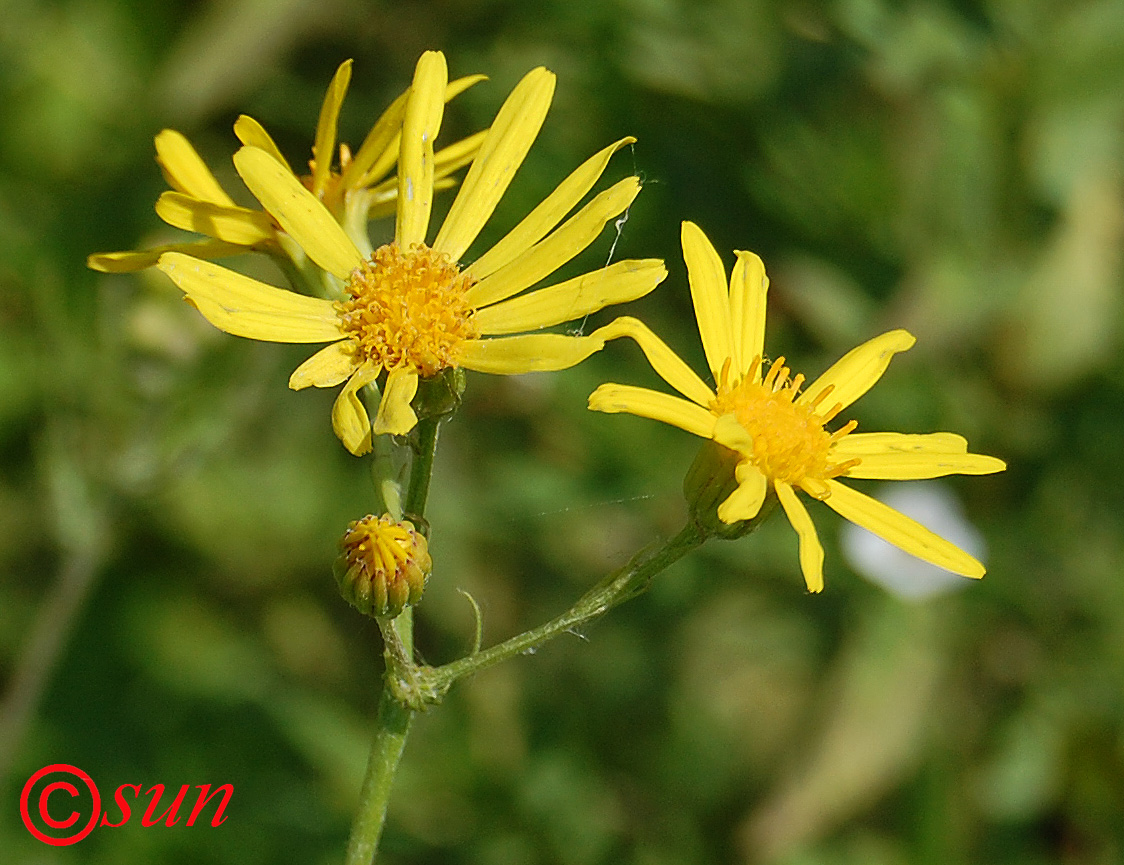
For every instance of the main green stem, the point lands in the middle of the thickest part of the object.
(392, 722)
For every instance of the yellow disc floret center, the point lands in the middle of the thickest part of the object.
(790, 443)
(408, 309)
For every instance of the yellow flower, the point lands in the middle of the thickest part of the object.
(355, 194)
(778, 431)
(410, 308)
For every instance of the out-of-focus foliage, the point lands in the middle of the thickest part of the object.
(951, 167)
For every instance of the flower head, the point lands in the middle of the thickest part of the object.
(355, 187)
(410, 308)
(779, 430)
(383, 565)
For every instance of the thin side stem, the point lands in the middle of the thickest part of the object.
(622, 585)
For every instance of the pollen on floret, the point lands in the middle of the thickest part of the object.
(790, 443)
(383, 565)
(408, 309)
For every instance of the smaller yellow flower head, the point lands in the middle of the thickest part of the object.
(778, 431)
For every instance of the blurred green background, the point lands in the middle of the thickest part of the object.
(168, 509)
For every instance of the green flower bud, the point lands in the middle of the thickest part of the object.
(383, 565)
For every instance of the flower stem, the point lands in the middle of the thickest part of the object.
(392, 722)
(621, 585)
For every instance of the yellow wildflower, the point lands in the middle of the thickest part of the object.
(778, 431)
(411, 308)
(355, 194)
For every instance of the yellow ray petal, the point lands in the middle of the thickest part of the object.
(811, 552)
(729, 433)
(349, 416)
(748, 287)
(864, 444)
(709, 295)
(535, 352)
(415, 158)
(253, 134)
(327, 368)
(185, 171)
(128, 262)
(616, 398)
(858, 370)
(326, 126)
(921, 466)
(298, 211)
(395, 417)
(617, 283)
(545, 257)
(238, 225)
(379, 150)
(457, 155)
(745, 502)
(667, 364)
(901, 531)
(510, 137)
(542, 220)
(246, 307)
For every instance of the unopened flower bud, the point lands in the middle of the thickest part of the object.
(383, 565)
(709, 482)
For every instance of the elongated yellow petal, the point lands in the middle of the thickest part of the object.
(616, 398)
(379, 150)
(510, 137)
(535, 352)
(542, 220)
(865, 444)
(667, 364)
(748, 287)
(395, 417)
(920, 466)
(246, 307)
(298, 211)
(617, 283)
(415, 158)
(545, 257)
(253, 134)
(729, 433)
(134, 260)
(327, 368)
(185, 171)
(458, 155)
(858, 370)
(745, 502)
(901, 531)
(237, 225)
(811, 551)
(323, 150)
(709, 294)
(349, 416)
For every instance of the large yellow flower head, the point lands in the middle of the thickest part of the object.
(778, 430)
(410, 309)
(356, 189)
